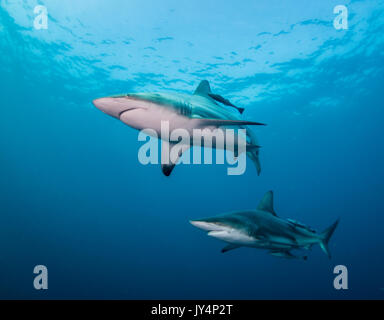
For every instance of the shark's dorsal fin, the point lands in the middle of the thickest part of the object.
(266, 204)
(203, 89)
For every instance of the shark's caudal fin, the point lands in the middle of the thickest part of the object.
(253, 154)
(326, 235)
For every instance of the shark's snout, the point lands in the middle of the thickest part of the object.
(111, 106)
(224, 231)
(205, 225)
(103, 104)
(99, 102)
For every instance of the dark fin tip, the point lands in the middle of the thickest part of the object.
(167, 169)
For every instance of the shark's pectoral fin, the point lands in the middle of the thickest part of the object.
(167, 169)
(202, 123)
(170, 155)
(230, 247)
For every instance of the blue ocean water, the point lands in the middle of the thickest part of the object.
(74, 197)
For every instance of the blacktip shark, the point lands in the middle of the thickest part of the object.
(203, 109)
(263, 229)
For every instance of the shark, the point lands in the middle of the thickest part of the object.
(263, 229)
(200, 110)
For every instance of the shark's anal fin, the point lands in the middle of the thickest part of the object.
(230, 247)
(222, 122)
(225, 101)
(168, 156)
(286, 255)
(266, 204)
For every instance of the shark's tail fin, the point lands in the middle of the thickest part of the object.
(326, 235)
(253, 150)
(253, 154)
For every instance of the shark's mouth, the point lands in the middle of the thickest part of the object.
(209, 226)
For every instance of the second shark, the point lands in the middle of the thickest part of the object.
(263, 229)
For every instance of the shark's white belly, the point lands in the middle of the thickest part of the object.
(149, 116)
(169, 125)
(233, 236)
